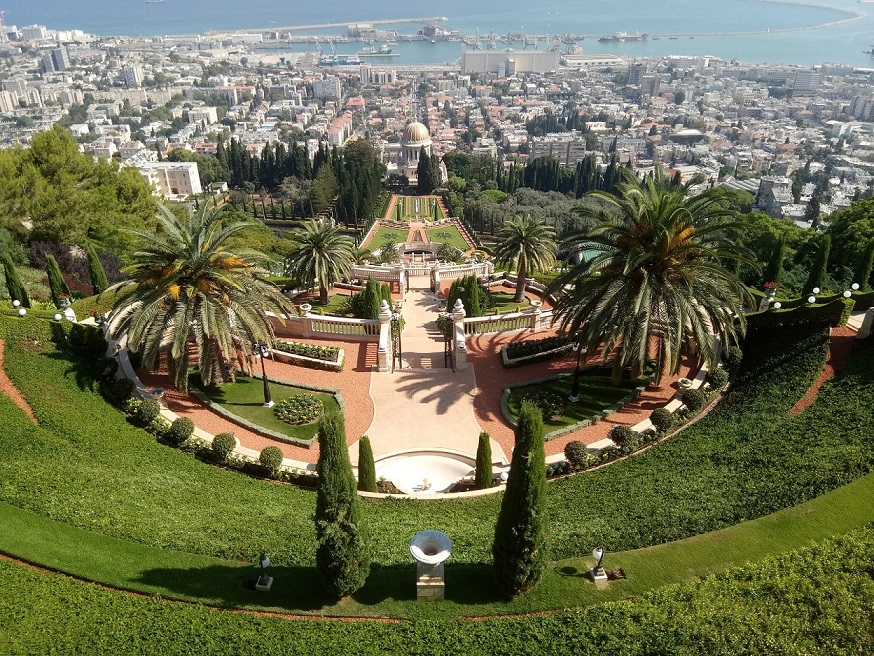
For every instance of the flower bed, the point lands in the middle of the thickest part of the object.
(299, 409)
(329, 358)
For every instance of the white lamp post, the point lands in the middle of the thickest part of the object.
(815, 290)
(21, 312)
(58, 316)
(811, 299)
(855, 286)
(16, 303)
(847, 294)
(598, 573)
(777, 305)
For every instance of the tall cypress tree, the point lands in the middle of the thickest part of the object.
(342, 539)
(862, 273)
(483, 477)
(520, 547)
(775, 264)
(99, 282)
(13, 282)
(366, 466)
(816, 277)
(57, 286)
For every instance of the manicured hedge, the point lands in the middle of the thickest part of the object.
(815, 601)
(328, 353)
(85, 465)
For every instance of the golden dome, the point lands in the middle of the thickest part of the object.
(416, 133)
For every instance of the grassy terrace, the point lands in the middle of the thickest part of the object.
(245, 398)
(382, 233)
(84, 465)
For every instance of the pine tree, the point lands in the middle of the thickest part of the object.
(57, 286)
(366, 466)
(775, 264)
(816, 277)
(862, 274)
(99, 282)
(483, 478)
(342, 539)
(520, 547)
(13, 283)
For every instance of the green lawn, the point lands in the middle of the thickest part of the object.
(448, 234)
(335, 306)
(596, 393)
(503, 302)
(245, 398)
(382, 233)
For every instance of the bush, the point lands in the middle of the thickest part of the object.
(576, 453)
(621, 435)
(299, 409)
(107, 368)
(180, 430)
(733, 357)
(120, 390)
(536, 346)
(483, 476)
(717, 377)
(662, 419)
(159, 427)
(222, 445)
(328, 353)
(550, 404)
(366, 466)
(693, 399)
(147, 411)
(270, 460)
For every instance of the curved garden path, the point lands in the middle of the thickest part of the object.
(841, 346)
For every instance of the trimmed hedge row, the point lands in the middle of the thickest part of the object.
(327, 353)
(814, 601)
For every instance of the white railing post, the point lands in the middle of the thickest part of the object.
(384, 354)
(460, 347)
(307, 319)
(535, 315)
(435, 279)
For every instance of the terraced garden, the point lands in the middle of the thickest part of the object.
(85, 467)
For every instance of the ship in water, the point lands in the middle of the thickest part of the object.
(384, 50)
(623, 36)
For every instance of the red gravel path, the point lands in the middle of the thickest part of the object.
(841, 346)
(7, 388)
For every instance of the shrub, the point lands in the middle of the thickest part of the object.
(14, 285)
(483, 477)
(733, 357)
(58, 287)
(662, 419)
(180, 430)
(107, 368)
(222, 445)
(328, 353)
(366, 466)
(519, 549)
(299, 409)
(550, 404)
(578, 455)
(96, 273)
(536, 346)
(342, 539)
(621, 435)
(120, 390)
(159, 427)
(693, 399)
(270, 460)
(147, 411)
(717, 377)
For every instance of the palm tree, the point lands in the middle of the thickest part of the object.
(656, 279)
(528, 243)
(321, 256)
(184, 284)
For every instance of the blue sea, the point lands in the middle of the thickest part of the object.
(708, 21)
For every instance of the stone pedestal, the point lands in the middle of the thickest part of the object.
(264, 583)
(598, 574)
(430, 582)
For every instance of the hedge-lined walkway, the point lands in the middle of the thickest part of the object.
(841, 346)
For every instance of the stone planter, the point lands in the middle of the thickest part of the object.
(684, 384)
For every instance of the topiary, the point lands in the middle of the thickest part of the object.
(576, 453)
(693, 399)
(366, 466)
(621, 435)
(180, 430)
(147, 411)
(222, 445)
(483, 474)
(662, 419)
(717, 377)
(270, 460)
(733, 356)
(121, 389)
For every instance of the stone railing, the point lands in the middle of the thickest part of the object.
(531, 319)
(315, 325)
